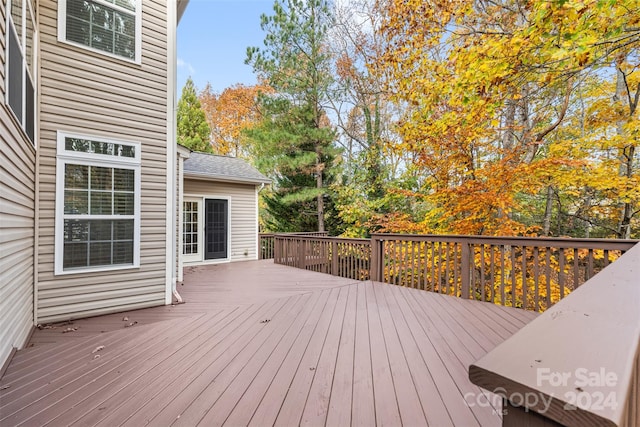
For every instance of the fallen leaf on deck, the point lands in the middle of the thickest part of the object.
(98, 348)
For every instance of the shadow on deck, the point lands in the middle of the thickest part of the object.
(263, 344)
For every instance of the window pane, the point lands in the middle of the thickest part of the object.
(126, 151)
(125, 25)
(75, 255)
(15, 76)
(100, 230)
(76, 176)
(101, 178)
(123, 180)
(100, 253)
(76, 202)
(76, 230)
(123, 204)
(123, 252)
(127, 4)
(76, 144)
(102, 38)
(101, 203)
(78, 30)
(123, 229)
(102, 147)
(30, 114)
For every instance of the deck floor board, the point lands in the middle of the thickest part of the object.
(262, 344)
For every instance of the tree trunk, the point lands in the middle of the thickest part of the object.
(319, 185)
(548, 210)
(626, 155)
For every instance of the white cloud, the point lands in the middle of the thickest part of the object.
(182, 64)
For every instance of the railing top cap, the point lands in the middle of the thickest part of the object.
(462, 237)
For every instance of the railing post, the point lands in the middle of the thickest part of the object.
(334, 258)
(300, 250)
(276, 250)
(375, 264)
(466, 270)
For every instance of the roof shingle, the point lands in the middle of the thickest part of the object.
(222, 168)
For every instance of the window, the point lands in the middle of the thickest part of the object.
(190, 228)
(97, 204)
(21, 68)
(108, 26)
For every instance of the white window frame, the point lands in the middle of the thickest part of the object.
(65, 157)
(200, 198)
(62, 29)
(27, 6)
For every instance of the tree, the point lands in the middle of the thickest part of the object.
(294, 142)
(491, 88)
(229, 113)
(193, 130)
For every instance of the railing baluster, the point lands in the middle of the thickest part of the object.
(482, 282)
(493, 275)
(548, 274)
(561, 272)
(536, 277)
(525, 293)
(502, 281)
(514, 283)
(440, 287)
(576, 269)
(466, 270)
(456, 267)
(446, 268)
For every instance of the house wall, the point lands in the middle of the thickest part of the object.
(243, 213)
(17, 206)
(91, 94)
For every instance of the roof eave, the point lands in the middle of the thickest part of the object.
(182, 6)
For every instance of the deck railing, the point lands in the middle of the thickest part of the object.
(529, 273)
(265, 242)
(348, 258)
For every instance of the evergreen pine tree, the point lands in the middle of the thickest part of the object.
(294, 144)
(192, 128)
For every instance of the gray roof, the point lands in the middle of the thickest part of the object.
(222, 168)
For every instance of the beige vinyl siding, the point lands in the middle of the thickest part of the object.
(17, 205)
(244, 222)
(87, 93)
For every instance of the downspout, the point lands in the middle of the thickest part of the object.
(171, 265)
(258, 190)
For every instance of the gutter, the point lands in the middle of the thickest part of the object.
(225, 178)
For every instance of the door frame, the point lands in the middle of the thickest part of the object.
(200, 199)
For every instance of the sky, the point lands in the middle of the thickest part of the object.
(213, 36)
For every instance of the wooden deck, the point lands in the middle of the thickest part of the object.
(261, 344)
